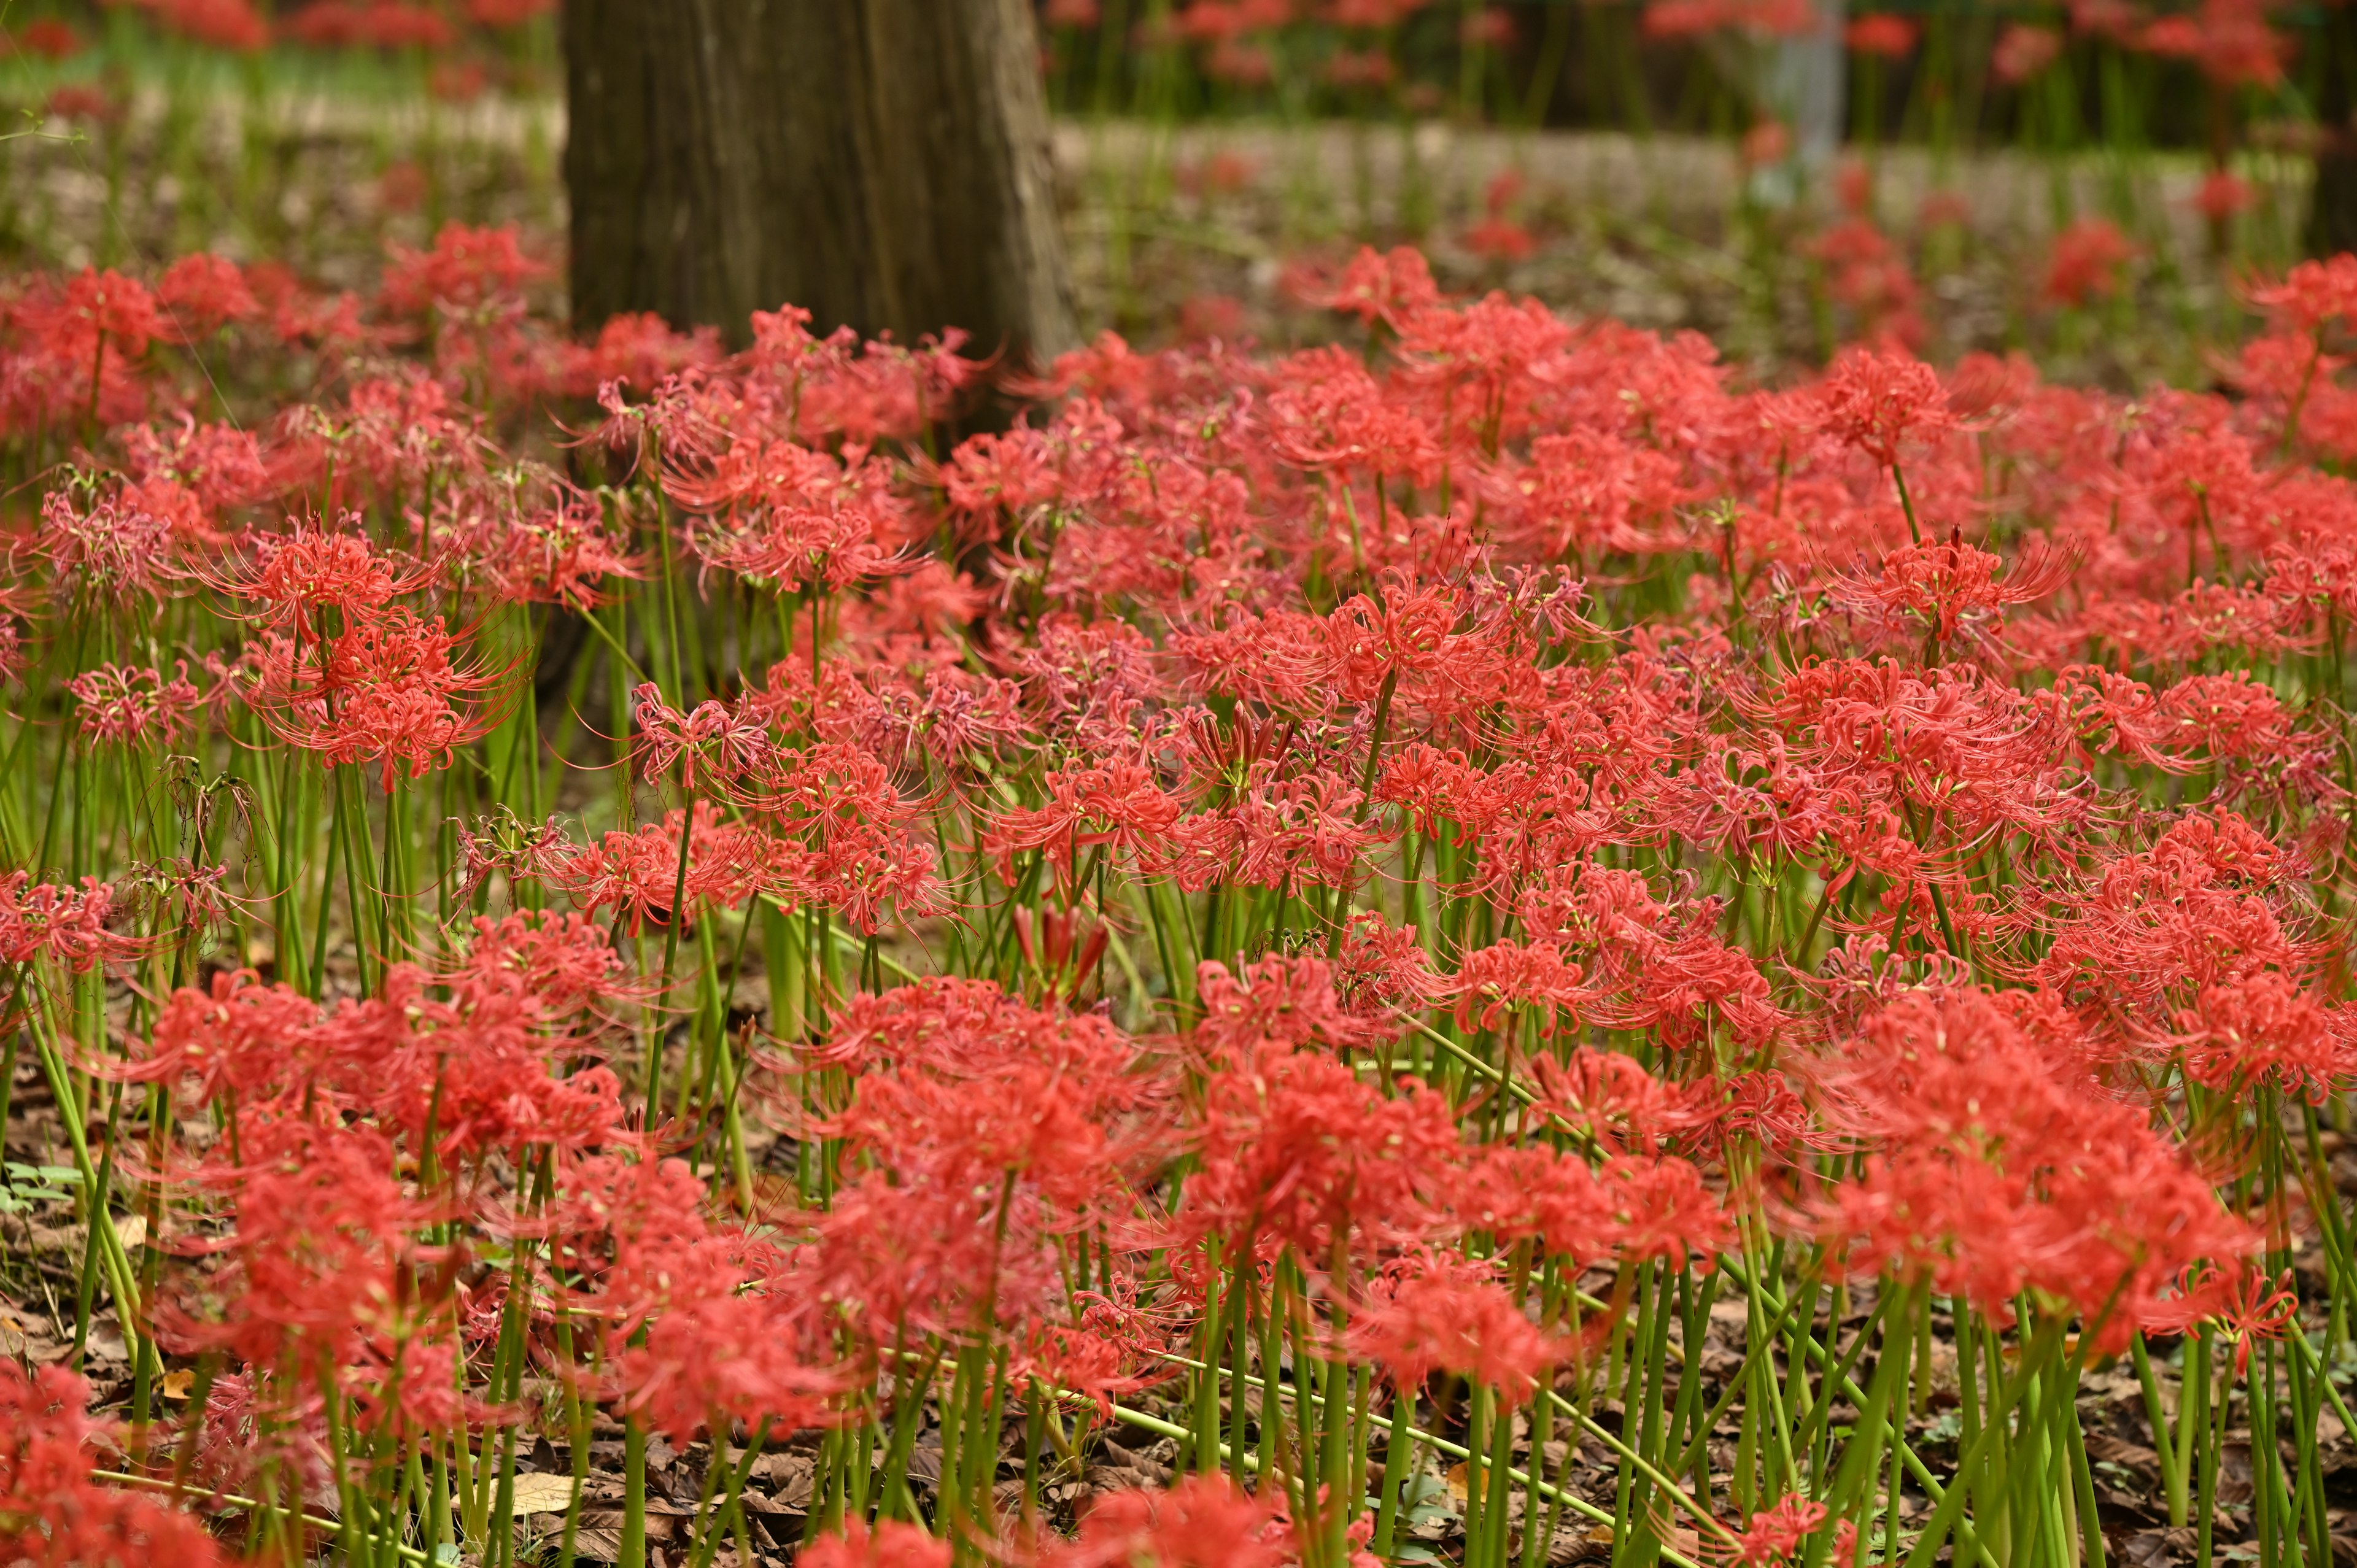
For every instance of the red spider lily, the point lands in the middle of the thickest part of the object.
(1778, 1535)
(1199, 1521)
(294, 576)
(67, 924)
(202, 293)
(563, 962)
(707, 1360)
(1391, 287)
(384, 690)
(1875, 402)
(634, 1229)
(712, 739)
(466, 269)
(559, 555)
(1426, 1315)
(101, 310)
(122, 706)
(1274, 1006)
(2230, 40)
(2266, 1029)
(53, 1514)
(2313, 293)
(1115, 1348)
(2085, 262)
(2244, 1306)
(112, 550)
(2194, 911)
(789, 517)
(322, 1249)
(1508, 974)
(1881, 33)
(1952, 583)
(1991, 1172)
(1297, 1148)
(470, 1071)
(1118, 808)
(891, 1544)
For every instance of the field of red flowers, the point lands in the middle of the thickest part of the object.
(1490, 944)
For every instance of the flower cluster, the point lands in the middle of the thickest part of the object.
(1341, 909)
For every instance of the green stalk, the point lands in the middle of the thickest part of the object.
(1946, 1513)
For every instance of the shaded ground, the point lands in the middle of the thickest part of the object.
(1192, 229)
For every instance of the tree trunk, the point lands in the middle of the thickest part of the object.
(883, 164)
(2332, 198)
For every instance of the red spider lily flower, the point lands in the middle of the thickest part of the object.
(1298, 1149)
(1778, 1535)
(890, 1544)
(121, 705)
(2266, 1029)
(1535, 1194)
(384, 690)
(1382, 966)
(2222, 195)
(1276, 1005)
(2244, 1304)
(1881, 33)
(2022, 52)
(2202, 908)
(294, 576)
(466, 269)
(1875, 402)
(632, 1227)
(220, 466)
(1510, 974)
(101, 310)
(1010, 473)
(1327, 412)
(315, 1264)
(112, 550)
(1392, 288)
(1588, 489)
(67, 924)
(642, 350)
(237, 1036)
(1198, 1521)
(562, 961)
(637, 874)
(560, 554)
(49, 37)
(1611, 1097)
(202, 293)
(1113, 1350)
(712, 741)
(1766, 18)
(1118, 807)
(992, 1128)
(218, 23)
(1499, 238)
(1869, 273)
(1992, 1172)
(2085, 261)
(2230, 40)
(2313, 293)
(787, 516)
(52, 1513)
(1952, 583)
(1430, 1315)
(707, 1360)
(853, 843)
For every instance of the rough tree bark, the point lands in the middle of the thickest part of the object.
(882, 163)
(2332, 199)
